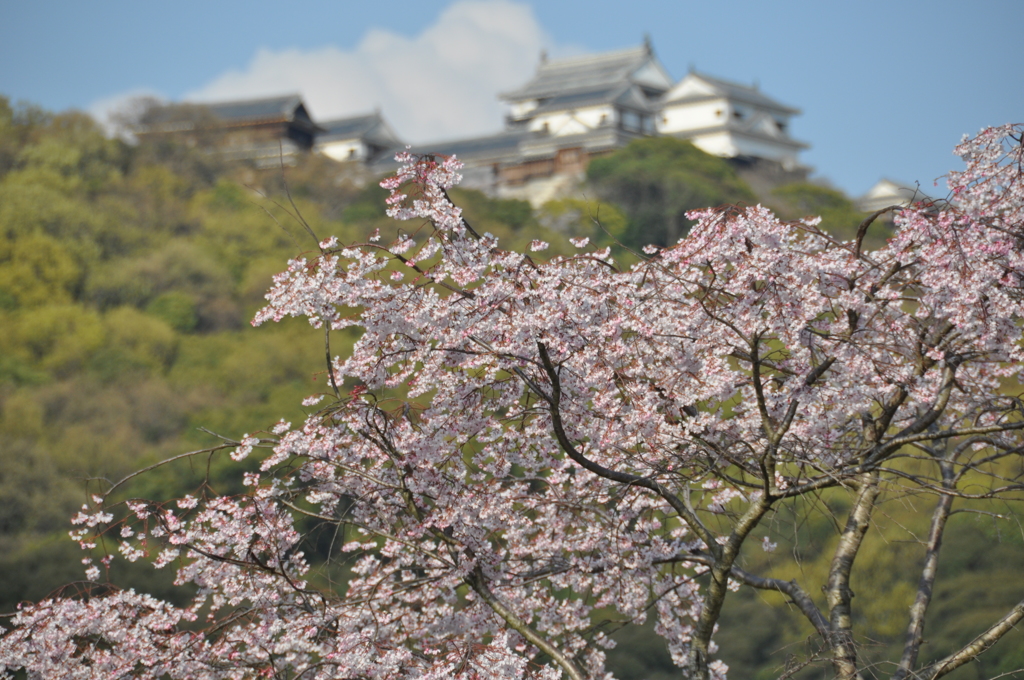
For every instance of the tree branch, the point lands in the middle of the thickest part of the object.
(862, 230)
(554, 399)
(791, 588)
(477, 582)
(837, 592)
(711, 608)
(915, 628)
(976, 646)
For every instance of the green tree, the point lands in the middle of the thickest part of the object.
(657, 180)
(839, 216)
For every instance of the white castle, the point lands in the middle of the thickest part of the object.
(575, 109)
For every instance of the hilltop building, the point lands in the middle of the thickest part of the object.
(357, 138)
(265, 131)
(730, 120)
(888, 192)
(571, 111)
(615, 90)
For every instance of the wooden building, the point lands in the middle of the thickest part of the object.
(265, 131)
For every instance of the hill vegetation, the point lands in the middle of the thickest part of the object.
(128, 275)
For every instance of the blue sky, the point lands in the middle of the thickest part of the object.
(886, 88)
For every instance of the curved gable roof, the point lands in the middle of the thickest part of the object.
(371, 128)
(627, 95)
(285, 108)
(698, 86)
(592, 72)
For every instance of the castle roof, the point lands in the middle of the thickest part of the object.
(501, 146)
(623, 94)
(269, 109)
(888, 192)
(696, 87)
(761, 130)
(369, 127)
(282, 109)
(594, 72)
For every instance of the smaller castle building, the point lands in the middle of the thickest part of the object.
(729, 120)
(357, 138)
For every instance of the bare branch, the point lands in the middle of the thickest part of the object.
(977, 646)
(862, 230)
(791, 588)
(837, 592)
(915, 629)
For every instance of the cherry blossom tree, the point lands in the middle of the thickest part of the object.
(520, 454)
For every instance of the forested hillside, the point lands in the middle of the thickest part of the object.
(129, 274)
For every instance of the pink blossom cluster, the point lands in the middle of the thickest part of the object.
(534, 448)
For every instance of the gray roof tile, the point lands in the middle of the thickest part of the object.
(582, 73)
(270, 108)
(288, 108)
(626, 94)
(346, 128)
(745, 130)
(504, 143)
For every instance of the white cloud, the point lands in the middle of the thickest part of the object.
(442, 83)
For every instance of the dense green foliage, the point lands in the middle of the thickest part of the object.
(657, 180)
(128, 275)
(838, 213)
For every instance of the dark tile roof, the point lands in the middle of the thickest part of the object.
(347, 128)
(271, 108)
(623, 94)
(744, 130)
(286, 109)
(582, 73)
(491, 146)
(598, 139)
(371, 128)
